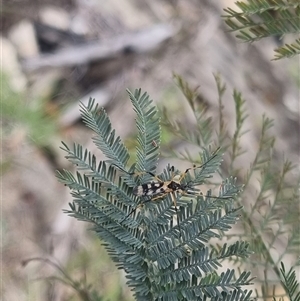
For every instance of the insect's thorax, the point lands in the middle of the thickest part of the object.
(174, 186)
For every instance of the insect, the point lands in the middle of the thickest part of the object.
(158, 189)
(161, 188)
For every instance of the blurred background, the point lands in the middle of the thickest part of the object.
(58, 53)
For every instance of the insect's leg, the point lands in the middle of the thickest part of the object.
(132, 211)
(159, 197)
(175, 205)
(146, 201)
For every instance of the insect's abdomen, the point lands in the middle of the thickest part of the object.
(149, 189)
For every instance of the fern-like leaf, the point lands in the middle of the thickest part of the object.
(263, 18)
(165, 258)
(290, 283)
(111, 146)
(288, 50)
(148, 138)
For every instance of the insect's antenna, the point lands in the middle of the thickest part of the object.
(190, 191)
(215, 153)
(172, 169)
(129, 173)
(134, 173)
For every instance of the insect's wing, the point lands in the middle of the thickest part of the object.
(149, 189)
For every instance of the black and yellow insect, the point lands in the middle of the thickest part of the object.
(158, 189)
(161, 188)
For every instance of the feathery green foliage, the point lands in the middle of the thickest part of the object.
(290, 283)
(288, 50)
(271, 214)
(263, 18)
(166, 256)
